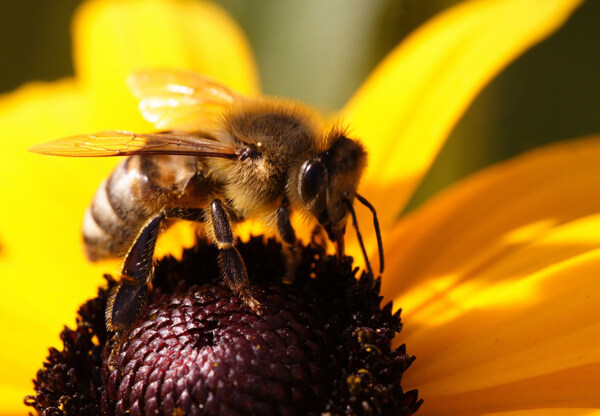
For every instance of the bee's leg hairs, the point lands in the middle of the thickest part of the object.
(232, 264)
(130, 296)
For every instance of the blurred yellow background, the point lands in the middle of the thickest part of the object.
(320, 51)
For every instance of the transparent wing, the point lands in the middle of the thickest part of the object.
(123, 143)
(180, 99)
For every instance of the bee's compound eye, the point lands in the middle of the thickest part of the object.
(312, 178)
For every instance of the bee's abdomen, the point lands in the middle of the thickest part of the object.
(116, 213)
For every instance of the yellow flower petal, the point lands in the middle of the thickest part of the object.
(116, 38)
(542, 350)
(475, 222)
(45, 275)
(9, 399)
(498, 282)
(409, 105)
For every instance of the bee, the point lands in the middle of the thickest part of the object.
(219, 158)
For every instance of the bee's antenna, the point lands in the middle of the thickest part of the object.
(360, 240)
(377, 229)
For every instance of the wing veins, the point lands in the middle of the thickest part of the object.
(121, 143)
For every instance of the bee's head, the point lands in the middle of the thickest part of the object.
(327, 185)
(329, 179)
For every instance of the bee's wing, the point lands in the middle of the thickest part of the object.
(123, 143)
(180, 99)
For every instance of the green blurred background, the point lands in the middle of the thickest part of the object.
(320, 51)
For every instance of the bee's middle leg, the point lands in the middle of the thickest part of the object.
(288, 238)
(232, 264)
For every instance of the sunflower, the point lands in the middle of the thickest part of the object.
(495, 275)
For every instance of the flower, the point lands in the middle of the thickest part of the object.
(498, 303)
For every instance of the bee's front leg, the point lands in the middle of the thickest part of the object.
(232, 264)
(128, 300)
(288, 238)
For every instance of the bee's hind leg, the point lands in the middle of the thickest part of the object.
(127, 302)
(230, 260)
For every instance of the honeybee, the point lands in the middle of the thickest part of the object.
(219, 158)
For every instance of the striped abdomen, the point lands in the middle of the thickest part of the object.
(138, 188)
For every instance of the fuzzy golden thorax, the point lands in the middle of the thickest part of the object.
(277, 136)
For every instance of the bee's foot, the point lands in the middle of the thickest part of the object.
(117, 342)
(255, 305)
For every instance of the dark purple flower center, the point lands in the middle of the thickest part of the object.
(321, 344)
